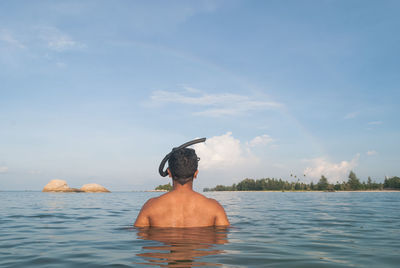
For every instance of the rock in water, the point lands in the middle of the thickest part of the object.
(94, 188)
(58, 186)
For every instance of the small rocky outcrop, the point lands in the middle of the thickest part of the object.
(94, 188)
(59, 186)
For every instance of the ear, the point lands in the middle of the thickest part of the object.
(195, 174)
(169, 173)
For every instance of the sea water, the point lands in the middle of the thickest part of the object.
(269, 229)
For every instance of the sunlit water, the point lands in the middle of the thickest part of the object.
(269, 229)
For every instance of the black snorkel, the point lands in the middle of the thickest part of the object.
(161, 170)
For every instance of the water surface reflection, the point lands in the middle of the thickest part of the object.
(181, 247)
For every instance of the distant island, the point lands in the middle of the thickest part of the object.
(165, 187)
(267, 184)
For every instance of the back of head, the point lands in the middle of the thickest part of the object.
(183, 164)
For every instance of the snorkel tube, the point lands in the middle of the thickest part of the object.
(161, 170)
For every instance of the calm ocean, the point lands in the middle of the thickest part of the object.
(269, 229)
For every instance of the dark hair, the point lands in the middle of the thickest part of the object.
(183, 164)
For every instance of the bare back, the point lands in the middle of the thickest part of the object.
(182, 208)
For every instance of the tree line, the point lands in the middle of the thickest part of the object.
(165, 187)
(352, 184)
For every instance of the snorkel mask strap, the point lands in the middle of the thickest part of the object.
(161, 170)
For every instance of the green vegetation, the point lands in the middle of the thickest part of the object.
(392, 183)
(165, 187)
(354, 182)
(323, 184)
(267, 184)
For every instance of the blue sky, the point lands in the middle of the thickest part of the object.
(100, 91)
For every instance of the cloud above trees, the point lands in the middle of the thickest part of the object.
(223, 151)
(333, 171)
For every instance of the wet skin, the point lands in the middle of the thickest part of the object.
(182, 207)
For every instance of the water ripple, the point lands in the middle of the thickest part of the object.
(269, 230)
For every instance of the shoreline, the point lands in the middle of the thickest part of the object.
(155, 191)
(299, 191)
(271, 191)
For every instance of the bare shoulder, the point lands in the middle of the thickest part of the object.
(149, 202)
(148, 205)
(143, 219)
(215, 203)
(210, 202)
(220, 216)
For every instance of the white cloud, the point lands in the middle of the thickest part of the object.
(375, 123)
(333, 171)
(191, 89)
(351, 115)
(52, 37)
(3, 169)
(222, 152)
(260, 140)
(371, 152)
(215, 104)
(226, 160)
(7, 38)
(57, 40)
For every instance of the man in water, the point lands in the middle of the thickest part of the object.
(182, 207)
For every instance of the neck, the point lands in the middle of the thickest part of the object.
(176, 186)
